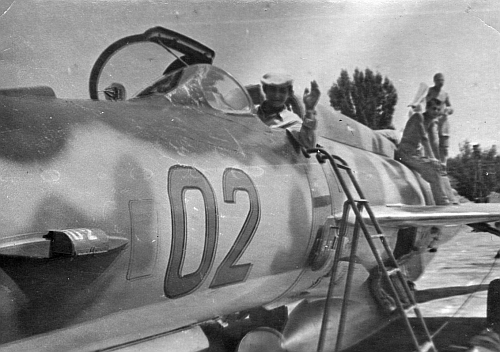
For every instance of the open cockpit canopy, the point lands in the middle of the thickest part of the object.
(179, 67)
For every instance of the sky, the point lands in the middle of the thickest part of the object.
(55, 43)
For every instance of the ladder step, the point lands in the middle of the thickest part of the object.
(393, 271)
(410, 308)
(360, 200)
(380, 235)
(427, 346)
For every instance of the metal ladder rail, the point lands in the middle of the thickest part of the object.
(359, 220)
(393, 261)
(333, 272)
(349, 277)
(350, 202)
(397, 271)
(322, 156)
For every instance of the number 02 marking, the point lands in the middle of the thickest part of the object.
(228, 273)
(182, 179)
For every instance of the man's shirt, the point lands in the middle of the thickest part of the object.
(279, 119)
(301, 130)
(416, 130)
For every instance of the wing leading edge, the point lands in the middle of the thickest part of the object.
(411, 215)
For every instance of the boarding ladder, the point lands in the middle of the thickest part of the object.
(357, 206)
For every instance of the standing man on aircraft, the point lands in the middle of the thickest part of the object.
(275, 113)
(436, 92)
(421, 131)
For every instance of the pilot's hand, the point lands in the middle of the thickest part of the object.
(448, 110)
(311, 97)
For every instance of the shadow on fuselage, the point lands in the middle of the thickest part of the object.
(59, 291)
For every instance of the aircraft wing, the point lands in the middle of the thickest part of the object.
(412, 215)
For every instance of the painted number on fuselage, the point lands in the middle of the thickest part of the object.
(182, 179)
(228, 272)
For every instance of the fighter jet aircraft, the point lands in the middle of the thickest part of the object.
(159, 221)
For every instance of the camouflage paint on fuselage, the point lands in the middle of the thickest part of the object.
(218, 209)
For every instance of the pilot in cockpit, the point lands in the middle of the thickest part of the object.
(275, 113)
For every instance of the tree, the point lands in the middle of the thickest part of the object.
(475, 171)
(368, 98)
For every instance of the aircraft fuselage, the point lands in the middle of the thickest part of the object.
(219, 212)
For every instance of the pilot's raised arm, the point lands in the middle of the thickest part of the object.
(275, 112)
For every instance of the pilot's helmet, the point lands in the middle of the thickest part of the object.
(276, 79)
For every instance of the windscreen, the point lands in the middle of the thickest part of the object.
(202, 84)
